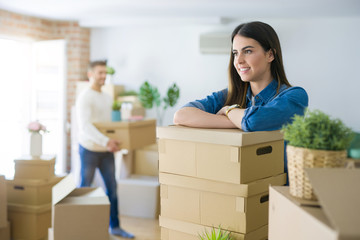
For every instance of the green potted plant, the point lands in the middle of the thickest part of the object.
(149, 97)
(314, 141)
(216, 235)
(110, 71)
(116, 114)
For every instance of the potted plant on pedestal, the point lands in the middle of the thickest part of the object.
(149, 96)
(115, 114)
(314, 141)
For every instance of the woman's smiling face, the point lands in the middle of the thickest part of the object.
(251, 61)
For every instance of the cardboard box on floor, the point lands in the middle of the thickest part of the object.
(41, 168)
(172, 229)
(238, 208)
(3, 203)
(79, 213)
(30, 192)
(337, 219)
(146, 161)
(226, 155)
(5, 232)
(139, 196)
(131, 134)
(29, 222)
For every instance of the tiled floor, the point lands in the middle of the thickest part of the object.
(144, 229)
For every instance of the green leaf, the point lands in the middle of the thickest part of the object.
(172, 96)
(213, 235)
(316, 130)
(148, 95)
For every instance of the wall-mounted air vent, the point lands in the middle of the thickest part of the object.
(215, 43)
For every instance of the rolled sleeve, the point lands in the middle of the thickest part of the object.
(212, 103)
(277, 112)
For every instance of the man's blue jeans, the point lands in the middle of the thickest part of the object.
(106, 163)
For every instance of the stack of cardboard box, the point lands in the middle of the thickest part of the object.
(78, 213)
(4, 223)
(138, 190)
(217, 177)
(29, 197)
(139, 193)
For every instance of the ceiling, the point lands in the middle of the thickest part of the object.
(105, 13)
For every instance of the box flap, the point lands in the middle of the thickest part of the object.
(85, 200)
(233, 137)
(339, 194)
(63, 188)
(125, 124)
(88, 192)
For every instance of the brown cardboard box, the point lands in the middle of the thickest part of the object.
(30, 192)
(3, 203)
(29, 222)
(244, 207)
(146, 161)
(5, 232)
(226, 155)
(131, 134)
(132, 99)
(113, 90)
(29, 168)
(139, 196)
(338, 217)
(79, 213)
(178, 230)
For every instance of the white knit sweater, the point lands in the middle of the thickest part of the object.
(93, 106)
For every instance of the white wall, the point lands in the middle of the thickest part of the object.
(321, 55)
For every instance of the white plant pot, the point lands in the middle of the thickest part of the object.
(35, 144)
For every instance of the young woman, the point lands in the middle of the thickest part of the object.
(259, 96)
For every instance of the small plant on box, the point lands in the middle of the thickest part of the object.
(149, 96)
(216, 235)
(316, 130)
(314, 141)
(115, 114)
(116, 106)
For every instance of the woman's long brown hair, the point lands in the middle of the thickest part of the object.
(268, 39)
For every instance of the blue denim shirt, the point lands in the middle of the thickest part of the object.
(270, 111)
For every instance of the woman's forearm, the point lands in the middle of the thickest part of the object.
(194, 117)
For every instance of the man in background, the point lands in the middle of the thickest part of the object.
(96, 150)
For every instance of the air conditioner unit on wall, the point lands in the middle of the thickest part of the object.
(215, 43)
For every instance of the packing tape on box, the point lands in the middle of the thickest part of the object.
(240, 204)
(234, 154)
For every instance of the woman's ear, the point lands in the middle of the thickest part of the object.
(271, 55)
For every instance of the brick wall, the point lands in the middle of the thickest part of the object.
(77, 45)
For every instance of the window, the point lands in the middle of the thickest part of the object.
(33, 83)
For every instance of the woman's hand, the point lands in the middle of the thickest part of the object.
(222, 111)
